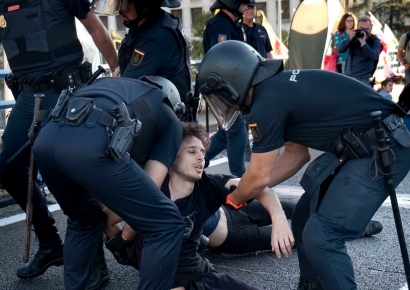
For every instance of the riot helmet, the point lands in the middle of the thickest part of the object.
(230, 5)
(143, 7)
(225, 75)
(170, 90)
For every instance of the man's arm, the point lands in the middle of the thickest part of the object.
(101, 39)
(157, 171)
(269, 55)
(270, 169)
(282, 238)
(400, 52)
(344, 45)
(373, 52)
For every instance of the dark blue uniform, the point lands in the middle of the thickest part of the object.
(218, 29)
(157, 48)
(258, 38)
(74, 163)
(310, 110)
(38, 39)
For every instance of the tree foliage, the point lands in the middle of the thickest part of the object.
(195, 44)
(392, 12)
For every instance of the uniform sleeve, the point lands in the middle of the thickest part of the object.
(78, 8)
(268, 45)
(222, 31)
(169, 136)
(268, 126)
(153, 52)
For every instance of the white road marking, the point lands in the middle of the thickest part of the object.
(281, 190)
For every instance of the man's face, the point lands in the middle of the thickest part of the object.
(366, 26)
(190, 160)
(129, 14)
(242, 8)
(250, 12)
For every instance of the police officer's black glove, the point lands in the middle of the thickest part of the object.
(120, 249)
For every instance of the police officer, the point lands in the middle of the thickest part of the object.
(222, 27)
(80, 161)
(42, 49)
(155, 45)
(257, 35)
(282, 110)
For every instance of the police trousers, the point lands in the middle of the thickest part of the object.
(14, 175)
(76, 168)
(353, 197)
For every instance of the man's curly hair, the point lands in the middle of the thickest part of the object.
(190, 129)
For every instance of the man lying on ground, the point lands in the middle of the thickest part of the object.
(197, 196)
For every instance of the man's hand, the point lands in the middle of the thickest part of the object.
(352, 34)
(116, 73)
(282, 238)
(362, 40)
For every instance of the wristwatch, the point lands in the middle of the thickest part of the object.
(233, 205)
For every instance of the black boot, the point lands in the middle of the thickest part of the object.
(99, 275)
(373, 228)
(50, 253)
(307, 285)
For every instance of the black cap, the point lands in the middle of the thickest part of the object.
(251, 3)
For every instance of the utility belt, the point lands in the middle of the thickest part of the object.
(355, 145)
(122, 130)
(69, 76)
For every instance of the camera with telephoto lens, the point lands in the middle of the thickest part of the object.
(360, 32)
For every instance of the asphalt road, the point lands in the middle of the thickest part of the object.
(377, 260)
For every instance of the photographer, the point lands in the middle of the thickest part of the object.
(364, 51)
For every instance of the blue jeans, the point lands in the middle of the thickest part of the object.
(407, 76)
(234, 141)
(351, 200)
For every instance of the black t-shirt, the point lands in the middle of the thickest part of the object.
(219, 29)
(258, 38)
(311, 108)
(208, 195)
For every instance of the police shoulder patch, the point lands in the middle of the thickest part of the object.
(256, 134)
(137, 57)
(221, 37)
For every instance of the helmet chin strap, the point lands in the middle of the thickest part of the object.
(236, 14)
(132, 23)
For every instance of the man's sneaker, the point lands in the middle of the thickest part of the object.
(50, 253)
(373, 228)
(203, 243)
(99, 276)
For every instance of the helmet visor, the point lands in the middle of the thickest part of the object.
(108, 7)
(223, 112)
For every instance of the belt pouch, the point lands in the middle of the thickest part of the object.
(355, 147)
(61, 105)
(394, 126)
(78, 110)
